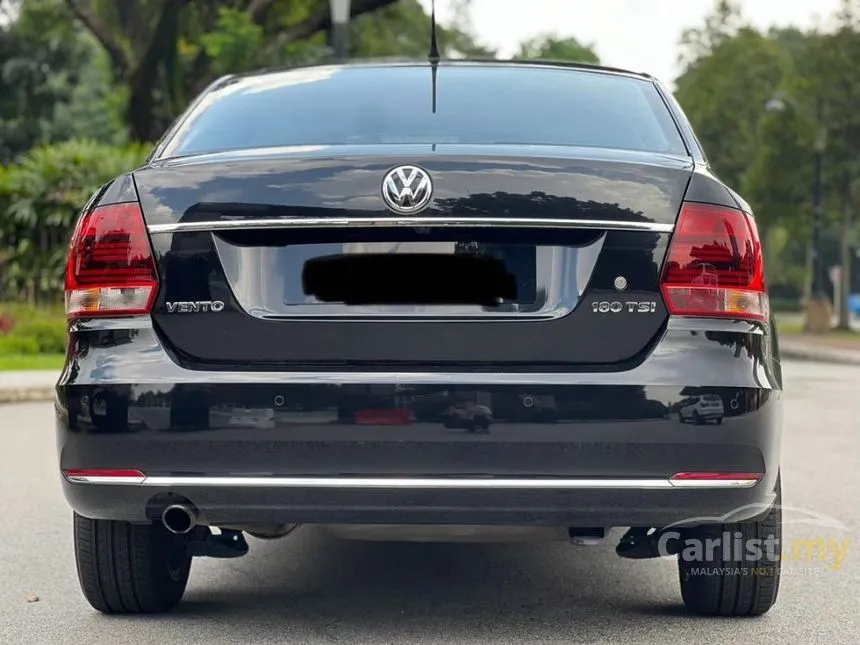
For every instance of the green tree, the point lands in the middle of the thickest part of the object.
(403, 29)
(555, 48)
(40, 198)
(730, 74)
(835, 85)
(721, 24)
(165, 51)
(837, 91)
(778, 185)
(818, 107)
(51, 87)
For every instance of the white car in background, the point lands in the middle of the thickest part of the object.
(701, 408)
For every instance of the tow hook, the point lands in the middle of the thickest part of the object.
(645, 542)
(227, 544)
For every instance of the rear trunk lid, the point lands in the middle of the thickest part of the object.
(526, 258)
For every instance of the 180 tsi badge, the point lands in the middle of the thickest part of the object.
(629, 306)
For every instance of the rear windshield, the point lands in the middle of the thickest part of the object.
(393, 105)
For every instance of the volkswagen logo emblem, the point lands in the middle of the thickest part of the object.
(407, 189)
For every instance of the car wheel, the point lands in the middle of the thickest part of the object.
(734, 585)
(128, 568)
(697, 418)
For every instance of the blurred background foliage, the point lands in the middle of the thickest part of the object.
(731, 73)
(86, 86)
(42, 193)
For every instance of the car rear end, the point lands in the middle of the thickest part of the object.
(256, 334)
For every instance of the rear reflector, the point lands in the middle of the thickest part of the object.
(709, 480)
(109, 476)
(717, 476)
(110, 271)
(714, 266)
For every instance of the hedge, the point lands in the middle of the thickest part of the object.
(40, 198)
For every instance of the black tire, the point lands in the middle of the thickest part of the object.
(738, 587)
(130, 568)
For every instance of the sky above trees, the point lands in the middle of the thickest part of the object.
(638, 34)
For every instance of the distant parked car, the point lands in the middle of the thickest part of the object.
(469, 416)
(702, 408)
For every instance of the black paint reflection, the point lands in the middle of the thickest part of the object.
(748, 344)
(344, 180)
(588, 424)
(199, 408)
(391, 430)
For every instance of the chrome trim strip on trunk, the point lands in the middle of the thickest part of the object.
(408, 222)
(410, 482)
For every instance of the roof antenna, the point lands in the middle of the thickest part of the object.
(434, 50)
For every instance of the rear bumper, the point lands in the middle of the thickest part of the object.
(243, 505)
(373, 448)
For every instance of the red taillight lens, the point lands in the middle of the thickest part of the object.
(714, 265)
(111, 271)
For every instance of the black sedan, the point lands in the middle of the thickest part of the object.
(460, 297)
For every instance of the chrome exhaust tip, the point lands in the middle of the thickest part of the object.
(179, 519)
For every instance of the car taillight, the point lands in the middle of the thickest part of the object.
(110, 271)
(714, 265)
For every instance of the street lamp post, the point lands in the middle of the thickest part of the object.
(817, 309)
(340, 10)
(817, 286)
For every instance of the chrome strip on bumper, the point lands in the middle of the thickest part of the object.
(409, 222)
(411, 483)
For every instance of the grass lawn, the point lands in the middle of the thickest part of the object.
(797, 328)
(31, 338)
(789, 327)
(15, 362)
(834, 338)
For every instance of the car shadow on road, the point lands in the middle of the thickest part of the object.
(313, 587)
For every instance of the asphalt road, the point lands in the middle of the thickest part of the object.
(311, 588)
